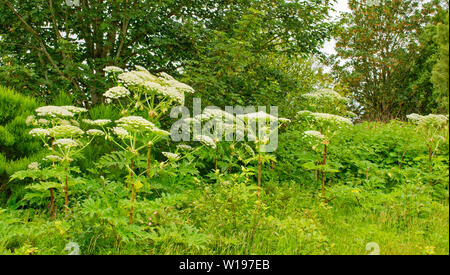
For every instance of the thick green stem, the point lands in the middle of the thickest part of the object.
(66, 194)
(149, 159)
(259, 173)
(323, 172)
(52, 204)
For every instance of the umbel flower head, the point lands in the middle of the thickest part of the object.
(314, 134)
(135, 122)
(65, 131)
(325, 117)
(95, 132)
(52, 158)
(75, 110)
(171, 156)
(66, 143)
(112, 69)
(34, 165)
(116, 92)
(121, 132)
(429, 121)
(208, 141)
(97, 122)
(325, 95)
(39, 132)
(53, 111)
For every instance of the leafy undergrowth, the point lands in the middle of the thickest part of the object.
(228, 218)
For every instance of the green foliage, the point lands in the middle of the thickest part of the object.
(385, 63)
(440, 70)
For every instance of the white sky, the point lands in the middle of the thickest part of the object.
(339, 6)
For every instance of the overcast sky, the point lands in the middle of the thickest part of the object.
(340, 6)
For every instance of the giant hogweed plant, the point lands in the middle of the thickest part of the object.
(58, 129)
(434, 130)
(142, 99)
(323, 127)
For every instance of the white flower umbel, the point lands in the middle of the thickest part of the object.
(97, 122)
(112, 69)
(116, 92)
(135, 122)
(208, 141)
(52, 158)
(429, 121)
(65, 131)
(325, 94)
(53, 111)
(95, 132)
(314, 134)
(330, 118)
(39, 132)
(66, 142)
(171, 156)
(74, 109)
(34, 165)
(120, 132)
(184, 147)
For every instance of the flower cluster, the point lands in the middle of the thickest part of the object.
(208, 141)
(53, 111)
(112, 69)
(164, 85)
(66, 142)
(95, 132)
(314, 134)
(171, 156)
(52, 158)
(39, 132)
(116, 92)
(135, 122)
(184, 147)
(325, 95)
(74, 110)
(429, 121)
(34, 166)
(97, 122)
(120, 132)
(65, 131)
(325, 117)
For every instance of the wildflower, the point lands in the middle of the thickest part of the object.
(155, 212)
(135, 122)
(120, 132)
(52, 158)
(29, 120)
(314, 134)
(34, 166)
(98, 122)
(95, 132)
(112, 69)
(429, 121)
(184, 147)
(206, 140)
(53, 111)
(325, 94)
(116, 92)
(39, 132)
(324, 117)
(65, 131)
(74, 109)
(171, 156)
(150, 223)
(66, 142)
